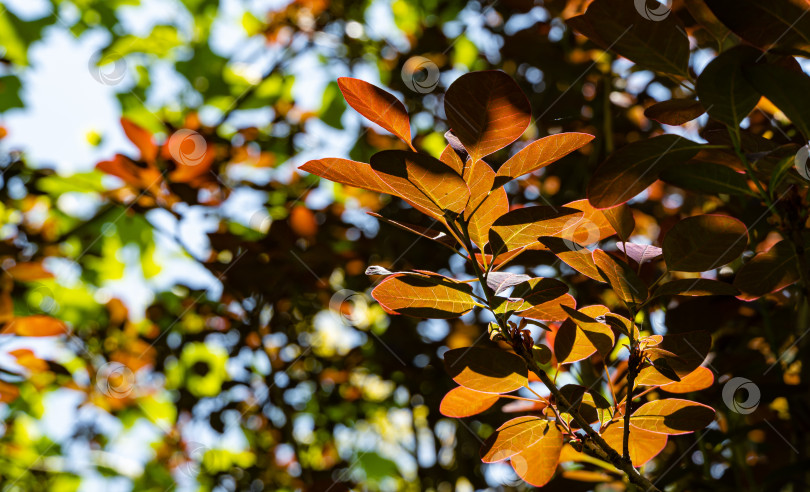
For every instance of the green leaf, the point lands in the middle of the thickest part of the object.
(631, 169)
(653, 41)
(787, 89)
(10, 93)
(781, 24)
(705, 177)
(486, 370)
(723, 88)
(704, 242)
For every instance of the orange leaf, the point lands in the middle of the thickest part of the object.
(539, 291)
(191, 154)
(423, 181)
(485, 206)
(572, 343)
(142, 139)
(672, 416)
(464, 402)
(622, 279)
(599, 334)
(551, 310)
(378, 105)
(29, 272)
(592, 227)
(37, 325)
(123, 167)
(8, 392)
(348, 172)
(435, 296)
(523, 226)
(451, 158)
(540, 153)
(513, 437)
(537, 463)
(690, 351)
(486, 370)
(700, 378)
(487, 111)
(573, 255)
(643, 445)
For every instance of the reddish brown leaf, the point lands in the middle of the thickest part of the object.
(539, 154)
(379, 106)
(572, 343)
(37, 325)
(695, 287)
(523, 226)
(577, 257)
(8, 392)
(463, 402)
(675, 111)
(704, 242)
(426, 232)
(424, 297)
(142, 139)
(451, 158)
(347, 172)
(672, 416)
(598, 334)
(767, 272)
(551, 310)
(486, 370)
(425, 182)
(700, 378)
(485, 206)
(592, 227)
(29, 272)
(622, 279)
(486, 111)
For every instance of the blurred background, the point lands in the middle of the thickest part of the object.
(221, 335)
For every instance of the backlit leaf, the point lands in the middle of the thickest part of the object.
(550, 310)
(592, 227)
(704, 242)
(643, 445)
(486, 370)
(640, 253)
(451, 158)
(485, 206)
(631, 169)
(8, 392)
(767, 272)
(599, 334)
(695, 287)
(524, 226)
(434, 297)
(622, 220)
(700, 378)
(536, 463)
(572, 343)
(723, 88)
(377, 105)
(37, 325)
(577, 257)
(514, 436)
(675, 111)
(539, 291)
(348, 172)
(622, 279)
(654, 41)
(142, 138)
(690, 351)
(486, 111)
(672, 416)
(540, 153)
(463, 402)
(500, 281)
(421, 180)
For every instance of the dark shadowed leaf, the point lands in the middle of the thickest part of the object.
(599, 334)
(770, 24)
(622, 220)
(463, 402)
(786, 88)
(540, 153)
(706, 177)
(704, 242)
(524, 226)
(421, 180)
(377, 105)
(672, 416)
(486, 370)
(622, 279)
(768, 272)
(631, 169)
(695, 287)
(572, 343)
(723, 88)
(675, 111)
(538, 291)
(487, 111)
(689, 349)
(433, 234)
(655, 41)
(419, 297)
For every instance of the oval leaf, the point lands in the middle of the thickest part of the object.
(513, 437)
(704, 242)
(379, 106)
(675, 111)
(348, 172)
(689, 349)
(622, 279)
(672, 416)
(723, 88)
(524, 226)
(463, 402)
(700, 378)
(38, 325)
(486, 111)
(424, 297)
(540, 153)
(643, 445)
(767, 272)
(695, 287)
(536, 464)
(486, 370)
